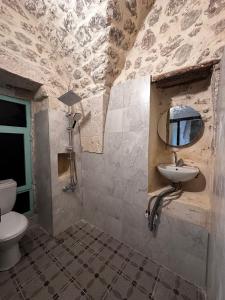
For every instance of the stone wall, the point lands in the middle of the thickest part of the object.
(199, 96)
(84, 45)
(79, 45)
(176, 34)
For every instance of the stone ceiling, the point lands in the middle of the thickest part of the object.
(88, 45)
(176, 34)
(81, 44)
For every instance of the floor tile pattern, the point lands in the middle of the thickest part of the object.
(86, 263)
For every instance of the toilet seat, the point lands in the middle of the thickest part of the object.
(12, 224)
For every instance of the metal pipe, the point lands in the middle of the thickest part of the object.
(154, 214)
(70, 149)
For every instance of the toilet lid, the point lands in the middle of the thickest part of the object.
(11, 225)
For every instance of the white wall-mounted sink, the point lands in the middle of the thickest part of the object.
(178, 174)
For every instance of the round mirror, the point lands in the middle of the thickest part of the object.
(180, 126)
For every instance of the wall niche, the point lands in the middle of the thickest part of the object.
(188, 88)
(64, 164)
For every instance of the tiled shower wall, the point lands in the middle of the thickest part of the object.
(57, 210)
(114, 180)
(66, 207)
(115, 186)
(217, 239)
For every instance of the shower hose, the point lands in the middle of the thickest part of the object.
(161, 200)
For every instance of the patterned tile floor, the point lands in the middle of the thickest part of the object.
(86, 263)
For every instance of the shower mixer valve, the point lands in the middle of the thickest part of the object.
(70, 98)
(69, 187)
(72, 120)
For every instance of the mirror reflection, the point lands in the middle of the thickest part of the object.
(180, 126)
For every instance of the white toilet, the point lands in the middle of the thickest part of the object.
(12, 226)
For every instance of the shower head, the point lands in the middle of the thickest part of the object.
(70, 98)
(76, 118)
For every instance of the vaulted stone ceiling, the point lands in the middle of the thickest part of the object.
(177, 34)
(88, 45)
(83, 44)
(77, 43)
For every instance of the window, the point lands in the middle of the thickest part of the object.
(15, 149)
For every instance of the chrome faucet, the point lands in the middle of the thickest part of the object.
(178, 162)
(175, 157)
(69, 187)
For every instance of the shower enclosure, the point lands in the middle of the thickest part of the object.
(70, 98)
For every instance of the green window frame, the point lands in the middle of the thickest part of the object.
(26, 132)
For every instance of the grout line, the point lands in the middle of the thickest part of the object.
(86, 231)
(156, 281)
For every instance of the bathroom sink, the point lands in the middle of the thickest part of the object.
(178, 174)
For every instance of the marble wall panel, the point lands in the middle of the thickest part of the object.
(43, 170)
(66, 207)
(116, 185)
(216, 270)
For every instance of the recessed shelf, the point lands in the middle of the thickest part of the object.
(63, 164)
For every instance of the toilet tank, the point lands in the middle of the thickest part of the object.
(7, 195)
